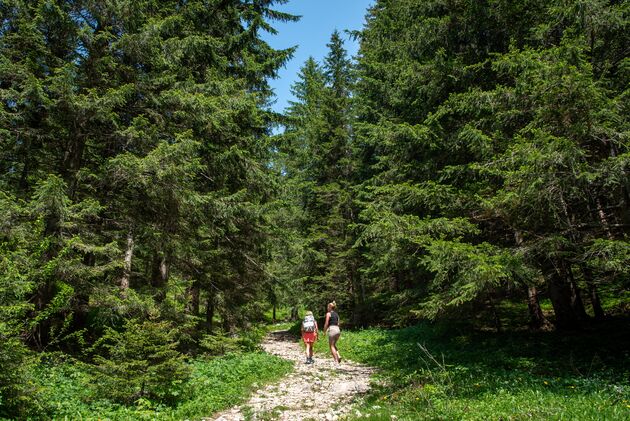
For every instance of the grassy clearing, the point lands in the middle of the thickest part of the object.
(430, 372)
(215, 384)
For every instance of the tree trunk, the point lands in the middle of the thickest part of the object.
(23, 182)
(209, 313)
(193, 305)
(537, 320)
(495, 316)
(357, 313)
(227, 323)
(45, 292)
(81, 301)
(294, 313)
(560, 294)
(41, 333)
(159, 277)
(80, 307)
(576, 297)
(273, 299)
(598, 311)
(124, 280)
(71, 164)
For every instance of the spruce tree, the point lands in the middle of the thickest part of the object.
(481, 152)
(134, 152)
(318, 143)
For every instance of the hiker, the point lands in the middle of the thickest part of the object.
(331, 326)
(309, 335)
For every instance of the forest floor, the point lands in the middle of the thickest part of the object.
(320, 391)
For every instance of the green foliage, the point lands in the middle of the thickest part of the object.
(489, 149)
(446, 371)
(133, 178)
(16, 393)
(141, 362)
(66, 389)
(609, 256)
(474, 154)
(316, 165)
(247, 340)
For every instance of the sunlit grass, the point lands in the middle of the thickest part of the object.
(432, 372)
(215, 384)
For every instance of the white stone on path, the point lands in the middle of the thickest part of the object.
(321, 391)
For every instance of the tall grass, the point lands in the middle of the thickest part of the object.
(66, 392)
(434, 372)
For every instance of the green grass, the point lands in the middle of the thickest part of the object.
(468, 375)
(216, 384)
(280, 326)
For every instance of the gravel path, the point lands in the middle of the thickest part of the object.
(320, 391)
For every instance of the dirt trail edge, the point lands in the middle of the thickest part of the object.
(320, 391)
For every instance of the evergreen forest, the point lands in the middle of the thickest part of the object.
(460, 187)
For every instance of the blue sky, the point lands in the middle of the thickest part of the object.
(311, 34)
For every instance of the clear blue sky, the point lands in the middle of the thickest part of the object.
(311, 34)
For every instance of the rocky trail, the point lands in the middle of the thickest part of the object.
(320, 391)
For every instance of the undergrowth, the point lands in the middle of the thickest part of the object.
(66, 392)
(431, 372)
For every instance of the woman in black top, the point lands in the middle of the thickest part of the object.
(331, 326)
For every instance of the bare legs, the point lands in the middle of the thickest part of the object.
(309, 352)
(334, 351)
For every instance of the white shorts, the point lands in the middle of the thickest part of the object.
(333, 334)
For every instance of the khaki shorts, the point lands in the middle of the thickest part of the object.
(333, 334)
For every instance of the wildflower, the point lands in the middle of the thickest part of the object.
(546, 382)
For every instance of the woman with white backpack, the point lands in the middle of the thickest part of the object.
(309, 335)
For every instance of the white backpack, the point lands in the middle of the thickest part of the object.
(308, 324)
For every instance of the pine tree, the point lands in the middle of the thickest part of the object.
(134, 134)
(318, 144)
(477, 141)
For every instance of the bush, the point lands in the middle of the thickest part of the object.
(141, 362)
(218, 343)
(15, 370)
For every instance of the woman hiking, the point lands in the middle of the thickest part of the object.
(331, 326)
(309, 335)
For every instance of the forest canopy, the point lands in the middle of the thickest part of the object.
(474, 154)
